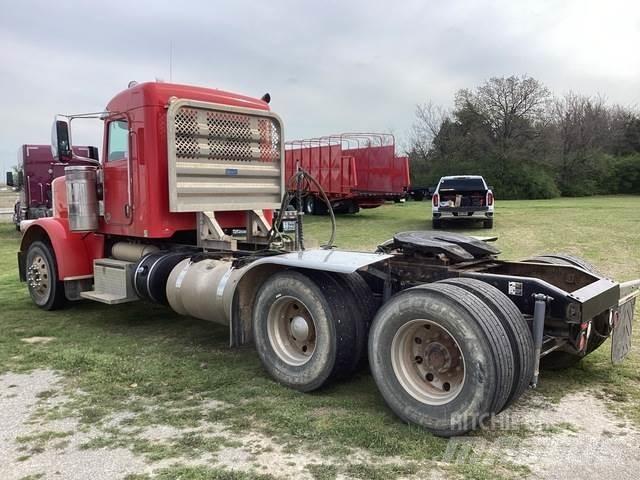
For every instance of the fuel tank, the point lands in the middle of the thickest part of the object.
(82, 198)
(199, 288)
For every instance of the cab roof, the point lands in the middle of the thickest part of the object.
(159, 93)
(461, 177)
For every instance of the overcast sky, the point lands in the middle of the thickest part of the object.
(329, 66)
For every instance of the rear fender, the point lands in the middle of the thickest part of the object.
(74, 252)
(242, 285)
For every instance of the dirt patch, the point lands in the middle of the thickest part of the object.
(29, 447)
(33, 340)
(32, 444)
(576, 438)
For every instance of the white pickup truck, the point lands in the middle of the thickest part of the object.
(462, 197)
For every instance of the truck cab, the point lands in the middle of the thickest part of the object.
(462, 197)
(37, 170)
(181, 165)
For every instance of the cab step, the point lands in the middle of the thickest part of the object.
(113, 282)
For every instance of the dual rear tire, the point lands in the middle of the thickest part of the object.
(448, 356)
(311, 328)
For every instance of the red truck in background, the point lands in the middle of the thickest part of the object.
(37, 169)
(356, 170)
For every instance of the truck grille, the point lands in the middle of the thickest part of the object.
(223, 158)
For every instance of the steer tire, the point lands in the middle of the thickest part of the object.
(560, 360)
(514, 324)
(458, 330)
(332, 344)
(41, 263)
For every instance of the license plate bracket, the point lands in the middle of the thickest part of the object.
(622, 330)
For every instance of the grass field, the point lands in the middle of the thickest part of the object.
(146, 360)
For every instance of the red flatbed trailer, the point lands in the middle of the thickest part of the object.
(356, 170)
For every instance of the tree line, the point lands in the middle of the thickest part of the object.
(528, 143)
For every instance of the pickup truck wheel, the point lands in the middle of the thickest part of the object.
(46, 291)
(300, 331)
(440, 358)
(559, 360)
(488, 223)
(514, 324)
(436, 223)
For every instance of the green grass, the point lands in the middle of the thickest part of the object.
(131, 357)
(199, 473)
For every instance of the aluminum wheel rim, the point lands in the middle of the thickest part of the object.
(291, 330)
(428, 362)
(39, 279)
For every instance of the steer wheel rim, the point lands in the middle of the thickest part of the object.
(291, 330)
(39, 279)
(428, 362)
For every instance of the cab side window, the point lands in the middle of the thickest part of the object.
(118, 141)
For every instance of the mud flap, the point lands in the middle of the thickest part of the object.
(622, 328)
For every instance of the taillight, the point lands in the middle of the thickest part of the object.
(435, 199)
(489, 198)
(583, 339)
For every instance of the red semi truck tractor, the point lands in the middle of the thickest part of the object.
(453, 334)
(37, 170)
(355, 170)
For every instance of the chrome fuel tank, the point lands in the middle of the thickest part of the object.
(82, 198)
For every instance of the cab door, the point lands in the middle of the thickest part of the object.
(117, 174)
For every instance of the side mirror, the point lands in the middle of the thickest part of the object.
(10, 180)
(61, 140)
(20, 179)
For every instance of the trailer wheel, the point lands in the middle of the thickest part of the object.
(302, 330)
(514, 324)
(46, 291)
(559, 360)
(353, 207)
(310, 205)
(440, 358)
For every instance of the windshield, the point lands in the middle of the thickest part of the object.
(462, 184)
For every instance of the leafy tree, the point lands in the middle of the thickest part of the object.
(526, 143)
